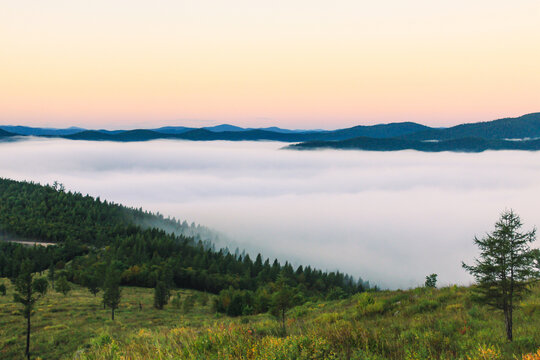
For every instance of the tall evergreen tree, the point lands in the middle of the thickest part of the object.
(28, 292)
(506, 266)
(161, 295)
(111, 289)
(282, 299)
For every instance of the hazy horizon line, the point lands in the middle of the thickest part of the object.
(214, 123)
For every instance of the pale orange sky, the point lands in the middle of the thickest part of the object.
(295, 64)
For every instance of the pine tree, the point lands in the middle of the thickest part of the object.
(111, 290)
(28, 292)
(506, 266)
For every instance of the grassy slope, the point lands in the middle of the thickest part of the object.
(414, 324)
(61, 325)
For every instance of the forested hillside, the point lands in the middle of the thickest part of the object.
(92, 234)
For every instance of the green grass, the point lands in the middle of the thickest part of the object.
(63, 324)
(414, 324)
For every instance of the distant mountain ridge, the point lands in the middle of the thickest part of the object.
(27, 130)
(234, 134)
(4, 133)
(381, 137)
(222, 132)
(468, 144)
(526, 126)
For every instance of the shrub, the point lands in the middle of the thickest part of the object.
(531, 307)
(424, 305)
(485, 352)
(532, 356)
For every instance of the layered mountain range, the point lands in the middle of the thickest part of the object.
(520, 133)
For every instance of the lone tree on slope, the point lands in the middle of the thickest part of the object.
(161, 295)
(506, 266)
(92, 281)
(62, 285)
(28, 292)
(111, 289)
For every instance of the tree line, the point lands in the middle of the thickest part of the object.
(91, 233)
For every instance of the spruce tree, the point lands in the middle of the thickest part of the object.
(506, 266)
(111, 289)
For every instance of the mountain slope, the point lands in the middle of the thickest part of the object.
(469, 144)
(4, 134)
(172, 129)
(420, 323)
(379, 131)
(526, 126)
(87, 229)
(35, 131)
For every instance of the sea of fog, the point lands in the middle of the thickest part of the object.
(389, 217)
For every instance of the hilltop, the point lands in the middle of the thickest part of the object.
(522, 127)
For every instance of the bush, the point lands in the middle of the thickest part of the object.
(424, 305)
(367, 305)
(176, 301)
(531, 307)
(188, 304)
(235, 302)
(62, 285)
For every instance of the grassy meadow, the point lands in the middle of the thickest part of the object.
(413, 324)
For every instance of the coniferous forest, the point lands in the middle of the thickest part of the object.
(91, 234)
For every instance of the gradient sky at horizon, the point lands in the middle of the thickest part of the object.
(295, 64)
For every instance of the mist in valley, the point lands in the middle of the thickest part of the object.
(388, 217)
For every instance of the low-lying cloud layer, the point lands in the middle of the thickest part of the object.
(388, 217)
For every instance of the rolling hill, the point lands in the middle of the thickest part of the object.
(473, 137)
(230, 133)
(468, 144)
(526, 126)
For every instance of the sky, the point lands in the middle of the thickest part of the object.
(294, 64)
(389, 217)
